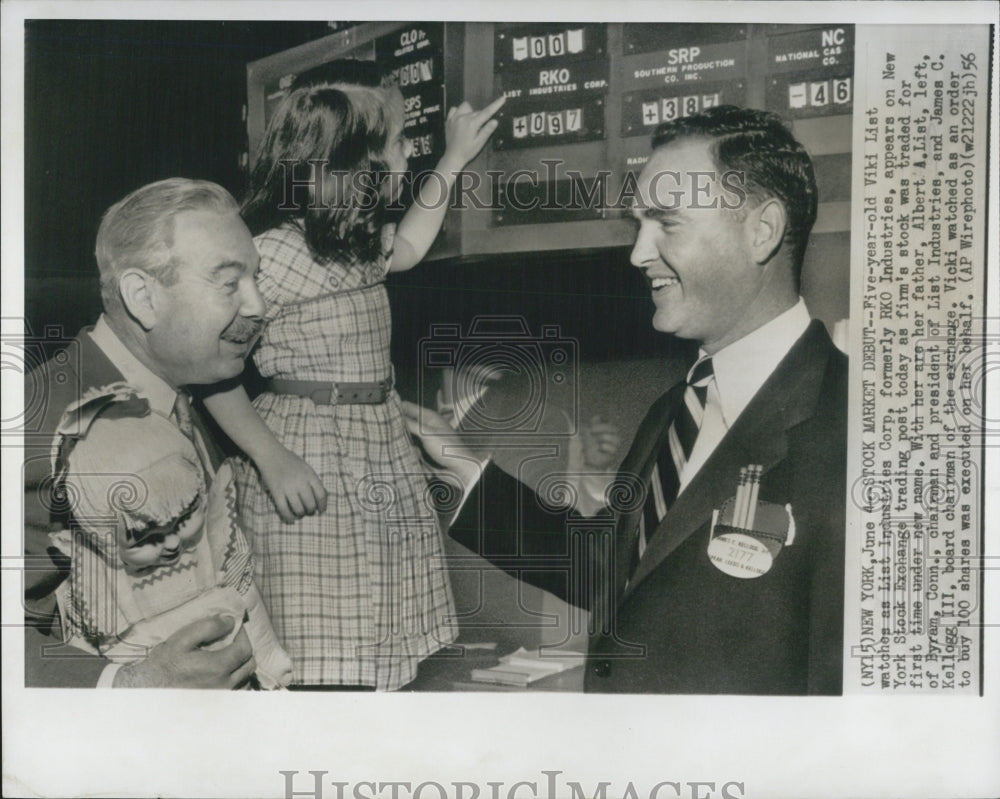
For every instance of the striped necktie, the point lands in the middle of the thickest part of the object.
(665, 480)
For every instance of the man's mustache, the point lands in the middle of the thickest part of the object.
(242, 330)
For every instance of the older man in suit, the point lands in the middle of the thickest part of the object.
(181, 307)
(723, 571)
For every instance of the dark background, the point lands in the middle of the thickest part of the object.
(112, 105)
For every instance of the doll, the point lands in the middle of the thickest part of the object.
(152, 547)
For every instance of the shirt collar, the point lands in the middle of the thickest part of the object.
(742, 367)
(154, 388)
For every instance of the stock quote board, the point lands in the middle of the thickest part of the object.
(582, 102)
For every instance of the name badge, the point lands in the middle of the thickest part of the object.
(747, 534)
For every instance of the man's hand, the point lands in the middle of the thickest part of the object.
(442, 443)
(593, 456)
(294, 486)
(180, 661)
(461, 390)
(600, 440)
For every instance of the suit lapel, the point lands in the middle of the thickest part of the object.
(638, 465)
(759, 436)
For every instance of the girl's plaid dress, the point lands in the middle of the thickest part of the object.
(358, 595)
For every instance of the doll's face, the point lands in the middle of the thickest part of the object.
(162, 545)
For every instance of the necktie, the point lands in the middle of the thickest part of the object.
(665, 480)
(185, 423)
(182, 415)
(684, 429)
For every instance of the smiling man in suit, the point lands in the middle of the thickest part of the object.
(725, 575)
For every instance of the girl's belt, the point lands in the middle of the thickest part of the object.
(324, 393)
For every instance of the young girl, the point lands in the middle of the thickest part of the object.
(357, 593)
(153, 548)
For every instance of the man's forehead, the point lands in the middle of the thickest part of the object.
(675, 171)
(681, 156)
(208, 220)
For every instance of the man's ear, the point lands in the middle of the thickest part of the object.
(767, 229)
(138, 293)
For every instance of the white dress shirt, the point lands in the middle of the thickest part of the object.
(150, 386)
(740, 369)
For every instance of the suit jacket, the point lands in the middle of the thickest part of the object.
(679, 624)
(63, 379)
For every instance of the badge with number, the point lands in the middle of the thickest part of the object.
(747, 534)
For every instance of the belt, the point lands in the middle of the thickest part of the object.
(325, 393)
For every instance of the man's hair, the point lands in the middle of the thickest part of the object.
(138, 231)
(772, 163)
(341, 131)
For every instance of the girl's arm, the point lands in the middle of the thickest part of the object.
(466, 131)
(294, 487)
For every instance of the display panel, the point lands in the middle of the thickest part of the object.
(642, 111)
(551, 121)
(554, 78)
(547, 44)
(582, 102)
(644, 38)
(414, 57)
(825, 47)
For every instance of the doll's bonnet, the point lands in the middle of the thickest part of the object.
(140, 471)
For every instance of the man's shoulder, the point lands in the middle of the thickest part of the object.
(835, 372)
(820, 392)
(71, 372)
(809, 386)
(77, 365)
(66, 377)
(817, 351)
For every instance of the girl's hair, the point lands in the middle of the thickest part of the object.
(323, 163)
(342, 70)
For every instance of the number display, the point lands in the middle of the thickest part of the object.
(421, 71)
(670, 108)
(553, 45)
(547, 123)
(819, 93)
(422, 145)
